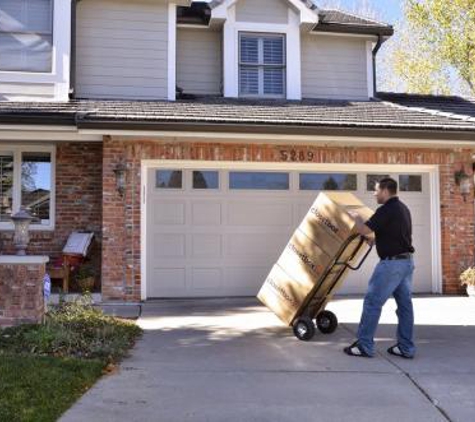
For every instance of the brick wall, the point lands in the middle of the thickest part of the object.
(78, 202)
(121, 216)
(21, 293)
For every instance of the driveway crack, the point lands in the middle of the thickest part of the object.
(421, 389)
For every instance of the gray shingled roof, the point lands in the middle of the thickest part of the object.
(392, 112)
(334, 20)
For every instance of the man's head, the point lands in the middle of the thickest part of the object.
(385, 189)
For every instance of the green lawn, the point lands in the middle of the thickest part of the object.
(40, 389)
(45, 368)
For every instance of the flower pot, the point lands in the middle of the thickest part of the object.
(471, 291)
(86, 284)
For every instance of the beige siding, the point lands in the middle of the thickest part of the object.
(334, 67)
(267, 11)
(122, 49)
(10, 91)
(199, 63)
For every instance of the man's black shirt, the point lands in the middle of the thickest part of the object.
(392, 226)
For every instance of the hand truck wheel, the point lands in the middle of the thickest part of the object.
(327, 322)
(304, 328)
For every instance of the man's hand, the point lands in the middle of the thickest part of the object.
(362, 228)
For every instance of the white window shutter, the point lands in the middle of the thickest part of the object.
(249, 49)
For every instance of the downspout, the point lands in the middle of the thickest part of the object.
(72, 64)
(375, 52)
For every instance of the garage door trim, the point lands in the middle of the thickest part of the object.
(432, 170)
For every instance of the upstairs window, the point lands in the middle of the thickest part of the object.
(261, 65)
(26, 35)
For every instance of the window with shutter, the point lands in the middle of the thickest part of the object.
(26, 35)
(261, 65)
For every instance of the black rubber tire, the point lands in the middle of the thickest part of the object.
(327, 322)
(304, 328)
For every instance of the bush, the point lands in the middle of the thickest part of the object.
(74, 329)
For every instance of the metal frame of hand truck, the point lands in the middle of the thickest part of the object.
(314, 307)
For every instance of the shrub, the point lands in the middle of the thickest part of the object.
(74, 329)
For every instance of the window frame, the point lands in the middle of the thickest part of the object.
(261, 66)
(17, 152)
(52, 62)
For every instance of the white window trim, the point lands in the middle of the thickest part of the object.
(291, 31)
(60, 66)
(369, 68)
(17, 150)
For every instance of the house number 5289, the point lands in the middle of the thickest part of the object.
(296, 155)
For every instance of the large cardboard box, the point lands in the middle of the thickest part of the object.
(310, 267)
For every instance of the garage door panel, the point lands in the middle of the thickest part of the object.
(252, 213)
(169, 245)
(255, 244)
(243, 281)
(206, 214)
(206, 246)
(170, 280)
(206, 279)
(168, 212)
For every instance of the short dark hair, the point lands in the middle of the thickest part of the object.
(388, 183)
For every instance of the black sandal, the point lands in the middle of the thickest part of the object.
(396, 351)
(356, 350)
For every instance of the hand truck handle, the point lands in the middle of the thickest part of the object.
(363, 259)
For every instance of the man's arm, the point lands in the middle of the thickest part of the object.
(362, 228)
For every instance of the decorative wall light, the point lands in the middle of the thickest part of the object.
(120, 171)
(462, 180)
(21, 220)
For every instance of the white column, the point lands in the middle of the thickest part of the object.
(369, 68)
(62, 48)
(172, 51)
(230, 55)
(293, 48)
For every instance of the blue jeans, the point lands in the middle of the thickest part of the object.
(389, 278)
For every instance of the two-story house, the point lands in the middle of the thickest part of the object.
(192, 137)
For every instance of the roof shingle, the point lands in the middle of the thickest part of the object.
(393, 111)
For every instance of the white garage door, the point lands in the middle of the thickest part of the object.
(218, 232)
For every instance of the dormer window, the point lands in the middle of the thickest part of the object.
(26, 35)
(262, 65)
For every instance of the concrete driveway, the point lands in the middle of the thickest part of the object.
(232, 360)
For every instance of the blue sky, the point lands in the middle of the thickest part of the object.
(389, 10)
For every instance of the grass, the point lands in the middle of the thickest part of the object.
(40, 389)
(45, 368)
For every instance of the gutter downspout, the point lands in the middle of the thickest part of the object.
(375, 52)
(72, 64)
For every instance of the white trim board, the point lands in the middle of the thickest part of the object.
(171, 52)
(280, 139)
(433, 171)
